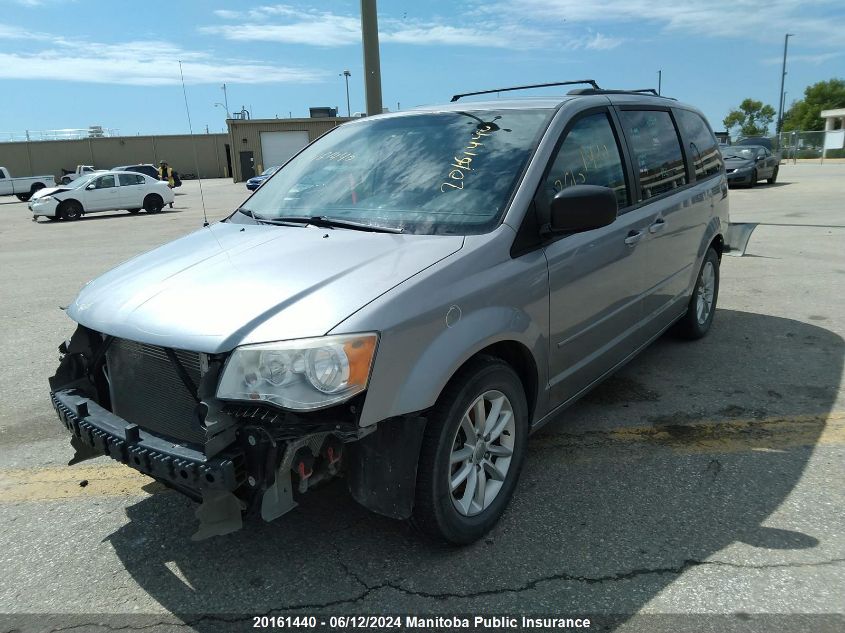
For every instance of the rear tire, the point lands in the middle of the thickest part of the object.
(774, 177)
(701, 309)
(153, 203)
(70, 210)
(24, 197)
(470, 462)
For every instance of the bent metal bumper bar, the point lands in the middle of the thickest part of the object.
(104, 433)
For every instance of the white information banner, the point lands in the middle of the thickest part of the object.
(834, 139)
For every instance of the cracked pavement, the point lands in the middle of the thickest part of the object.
(704, 478)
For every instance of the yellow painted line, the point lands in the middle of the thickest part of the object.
(69, 482)
(714, 436)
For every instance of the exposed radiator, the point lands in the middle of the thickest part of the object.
(146, 389)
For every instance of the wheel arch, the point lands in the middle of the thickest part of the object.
(520, 358)
(401, 384)
(718, 244)
(66, 201)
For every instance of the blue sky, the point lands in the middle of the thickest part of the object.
(71, 64)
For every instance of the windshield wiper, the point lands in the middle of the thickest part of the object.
(262, 220)
(331, 223)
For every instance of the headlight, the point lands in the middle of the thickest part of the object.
(304, 374)
(43, 199)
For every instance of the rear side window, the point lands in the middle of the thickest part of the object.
(589, 155)
(703, 146)
(130, 179)
(657, 151)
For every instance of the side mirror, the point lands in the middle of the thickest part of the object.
(759, 158)
(91, 186)
(582, 208)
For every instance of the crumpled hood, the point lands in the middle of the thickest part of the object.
(48, 191)
(232, 284)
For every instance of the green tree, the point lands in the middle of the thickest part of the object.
(752, 118)
(805, 114)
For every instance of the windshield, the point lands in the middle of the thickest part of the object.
(747, 152)
(444, 172)
(81, 181)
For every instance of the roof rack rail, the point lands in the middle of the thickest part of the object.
(594, 91)
(556, 83)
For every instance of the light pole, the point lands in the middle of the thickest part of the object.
(225, 100)
(372, 65)
(222, 105)
(659, 80)
(782, 78)
(346, 74)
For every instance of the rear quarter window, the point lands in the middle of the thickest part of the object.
(701, 143)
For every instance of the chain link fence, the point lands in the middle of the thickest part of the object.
(795, 145)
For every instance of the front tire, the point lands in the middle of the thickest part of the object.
(701, 309)
(472, 453)
(70, 210)
(774, 177)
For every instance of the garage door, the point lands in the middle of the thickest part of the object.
(278, 147)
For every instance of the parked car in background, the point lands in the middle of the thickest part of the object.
(23, 186)
(761, 141)
(81, 170)
(108, 191)
(405, 301)
(144, 168)
(748, 164)
(255, 182)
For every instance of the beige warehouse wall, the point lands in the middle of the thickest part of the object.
(37, 158)
(246, 136)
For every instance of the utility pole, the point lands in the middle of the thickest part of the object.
(346, 75)
(372, 65)
(779, 124)
(659, 81)
(226, 101)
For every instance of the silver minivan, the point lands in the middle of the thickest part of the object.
(402, 305)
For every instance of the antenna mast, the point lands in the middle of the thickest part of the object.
(193, 143)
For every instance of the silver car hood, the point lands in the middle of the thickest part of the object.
(232, 284)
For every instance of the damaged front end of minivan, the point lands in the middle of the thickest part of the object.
(159, 410)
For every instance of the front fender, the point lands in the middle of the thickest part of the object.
(456, 344)
(435, 321)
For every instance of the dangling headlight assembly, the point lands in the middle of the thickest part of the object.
(302, 375)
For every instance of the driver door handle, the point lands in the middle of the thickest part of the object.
(658, 225)
(633, 237)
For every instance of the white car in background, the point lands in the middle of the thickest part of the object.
(103, 191)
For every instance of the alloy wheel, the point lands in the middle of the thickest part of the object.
(704, 293)
(481, 453)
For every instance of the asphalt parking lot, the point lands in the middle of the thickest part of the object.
(704, 478)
